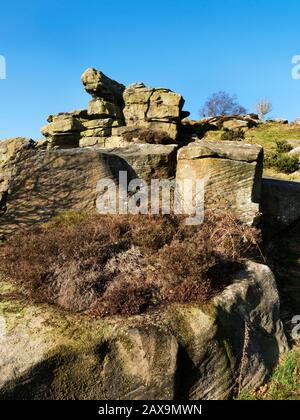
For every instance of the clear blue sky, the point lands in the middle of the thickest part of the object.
(195, 47)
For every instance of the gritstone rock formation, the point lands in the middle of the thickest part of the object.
(111, 107)
(191, 354)
(232, 173)
(138, 129)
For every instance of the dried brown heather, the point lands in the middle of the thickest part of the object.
(106, 265)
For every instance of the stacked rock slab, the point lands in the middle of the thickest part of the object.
(88, 127)
(112, 111)
(156, 109)
(63, 130)
(232, 173)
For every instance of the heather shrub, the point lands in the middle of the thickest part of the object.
(282, 162)
(233, 135)
(282, 146)
(146, 135)
(125, 265)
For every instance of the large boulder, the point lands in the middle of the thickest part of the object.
(101, 86)
(231, 171)
(295, 152)
(159, 109)
(235, 124)
(180, 352)
(41, 183)
(100, 108)
(149, 161)
(49, 355)
(46, 182)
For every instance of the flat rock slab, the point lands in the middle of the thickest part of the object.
(223, 149)
(149, 161)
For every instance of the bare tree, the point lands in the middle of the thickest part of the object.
(220, 104)
(263, 107)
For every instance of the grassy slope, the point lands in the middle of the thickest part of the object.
(266, 135)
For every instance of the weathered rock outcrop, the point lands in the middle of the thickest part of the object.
(183, 352)
(149, 161)
(191, 128)
(11, 151)
(66, 130)
(155, 109)
(37, 184)
(63, 130)
(104, 112)
(45, 182)
(158, 109)
(232, 173)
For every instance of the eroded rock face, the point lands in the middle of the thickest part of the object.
(46, 182)
(249, 315)
(158, 109)
(232, 172)
(184, 352)
(149, 161)
(36, 184)
(65, 131)
(11, 150)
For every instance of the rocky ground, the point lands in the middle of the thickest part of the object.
(212, 352)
